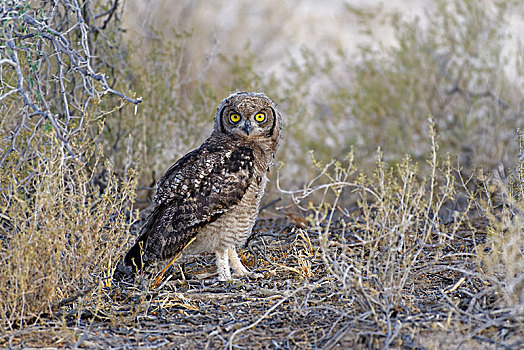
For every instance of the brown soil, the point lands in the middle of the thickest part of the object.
(294, 306)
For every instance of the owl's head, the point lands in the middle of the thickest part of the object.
(249, 115)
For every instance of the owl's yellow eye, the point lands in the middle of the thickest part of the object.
(260, 117)
(235, 118)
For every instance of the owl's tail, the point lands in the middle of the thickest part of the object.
(137, 257)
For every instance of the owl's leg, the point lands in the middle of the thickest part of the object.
(224, 273)
(240, 270)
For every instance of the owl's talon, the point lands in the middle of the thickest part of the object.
(250, 275)
(256, 275)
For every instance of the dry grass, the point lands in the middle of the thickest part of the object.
(389, 273)
(65, 211)
(61, 242)
(407, 251)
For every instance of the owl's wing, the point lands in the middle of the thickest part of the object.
(196, 190)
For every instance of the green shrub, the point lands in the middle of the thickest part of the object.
(451, 65)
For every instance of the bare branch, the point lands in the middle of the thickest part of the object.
(56, 74)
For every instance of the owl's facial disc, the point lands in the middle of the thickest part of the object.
(240, 107)
(248, 124)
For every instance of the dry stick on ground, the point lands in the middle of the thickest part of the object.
(71, 299)
(254, 324)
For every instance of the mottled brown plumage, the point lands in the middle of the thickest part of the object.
(213, 193)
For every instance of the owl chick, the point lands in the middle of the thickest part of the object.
(210, 197)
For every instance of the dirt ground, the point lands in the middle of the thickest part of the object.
(294, 306)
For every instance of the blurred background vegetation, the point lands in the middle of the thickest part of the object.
(348, 75)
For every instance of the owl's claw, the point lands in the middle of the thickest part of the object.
(249, 274)
(240, 269)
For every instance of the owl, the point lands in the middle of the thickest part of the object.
(208, 200)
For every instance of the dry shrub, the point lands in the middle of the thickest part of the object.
(387, 242)
(64, 213)
(63, 239)
(395, 216)
(501, 199)
(503, 260)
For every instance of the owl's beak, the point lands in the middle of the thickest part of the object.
(247, 126)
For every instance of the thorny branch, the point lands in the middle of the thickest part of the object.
(47, 68)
